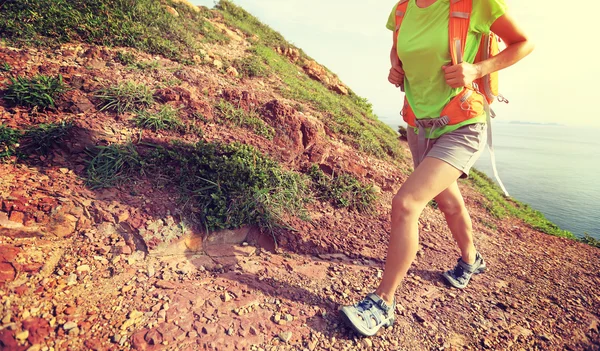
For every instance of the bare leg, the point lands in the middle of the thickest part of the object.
(430, 178)
(452, 204)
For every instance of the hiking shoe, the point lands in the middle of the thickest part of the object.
(369, 315)
(461, 274)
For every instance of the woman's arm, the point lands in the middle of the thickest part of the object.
(518, 46)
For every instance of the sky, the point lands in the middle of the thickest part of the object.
(552, 85)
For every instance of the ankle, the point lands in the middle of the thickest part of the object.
(387, 297)
(469, 256)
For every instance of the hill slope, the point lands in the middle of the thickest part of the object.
(175, 177)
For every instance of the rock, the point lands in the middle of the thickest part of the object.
(172, 11)
(218, 64)
(69, 325)
(285, 336)
(17, 217)
(22, 336)
(367, 343)
(163, 284)
(135, 314)
(72, 280)
(84, 268)
(340, 89)
(232, 71)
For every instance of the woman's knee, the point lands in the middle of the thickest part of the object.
(404, 207)
(450, 206)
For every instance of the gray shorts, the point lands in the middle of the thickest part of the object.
(460, 148)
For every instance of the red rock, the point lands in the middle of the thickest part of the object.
(163, 284)
(21, 290)
(154, 337)
(93, 344)
(17, 217)
(7, 272)
(70, 310)
(38, 328)
(8, 342)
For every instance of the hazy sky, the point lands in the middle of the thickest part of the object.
(553, 84)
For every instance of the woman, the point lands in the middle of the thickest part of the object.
(421, 62)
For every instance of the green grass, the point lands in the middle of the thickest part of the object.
(226, 112)
(41, 139)
(350, 116)
(222, 186)
(501, 207)
(140, 24)
(40, 91)
(343, 190)
(237, 17)
(251, 66)
(113, 165)
(231, 185)
(587, 239)
(126, 96)
(9, 138)
(165, 119)
(5, 67)
(126, 58)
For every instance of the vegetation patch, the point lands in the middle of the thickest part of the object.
(251, 66)
(113, 165)
(224, 186)
(226, 112)
(142, 24)
(502, 207)
(126, 96)
(237, 17)
(44, 137)
(343, 190)
(165, 119)
(40, 91)
(5, 67)
(126, 58)
(9, 139)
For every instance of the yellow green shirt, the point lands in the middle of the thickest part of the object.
(423, 50)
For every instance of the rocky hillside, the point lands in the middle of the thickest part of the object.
(180, 178)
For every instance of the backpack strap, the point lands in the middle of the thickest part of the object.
(460, 18)
(400, 12)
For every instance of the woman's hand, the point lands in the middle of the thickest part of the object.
(461, 75)
(396, 76)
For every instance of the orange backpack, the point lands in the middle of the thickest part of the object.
(473, 100)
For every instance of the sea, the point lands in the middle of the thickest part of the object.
(553, 168)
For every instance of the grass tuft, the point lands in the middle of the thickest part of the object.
(251, 66)
(9, 139)
(226, 112)
(40, 91)
(343, 190)
(124, 97)
(113, 165)
(165, 119)
(44, 137)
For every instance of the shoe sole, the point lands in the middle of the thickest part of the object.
(361, 331)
